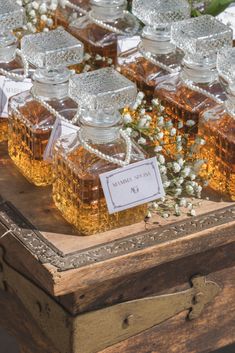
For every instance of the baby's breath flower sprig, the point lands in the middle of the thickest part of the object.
(176, 153)
(91, 63)
(39, 14)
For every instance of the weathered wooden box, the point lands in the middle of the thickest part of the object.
(159, 288)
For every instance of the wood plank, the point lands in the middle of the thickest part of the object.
(17, 321)
(162, 279)
(213, 330)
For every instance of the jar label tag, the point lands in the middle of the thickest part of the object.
(133, 185)
(61, 128)
(9, 88)
(127, 43)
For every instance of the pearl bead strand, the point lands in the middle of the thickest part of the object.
(113, 29)
(105, 156)
(14, 76)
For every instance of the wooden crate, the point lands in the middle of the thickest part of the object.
(164, 287)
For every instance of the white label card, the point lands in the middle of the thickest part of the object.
(134, 185)
(60, 128)
(127, 43)
(9, 88)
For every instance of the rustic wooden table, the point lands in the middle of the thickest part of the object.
(168, 286)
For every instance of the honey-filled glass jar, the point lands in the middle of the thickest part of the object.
(99, 146)
(32, 114)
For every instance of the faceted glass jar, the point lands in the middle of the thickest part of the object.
(30, 127)
(183, 105)
(65, 15)
(101, 43)
(11, 17)
(30, 123)
(10, 63)
(217, 128)
(155, 56)
(185, 96)
(77, 191)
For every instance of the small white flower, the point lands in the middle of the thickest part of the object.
(147, 117)
(189, 190)
(142, 123)
(161, 159)
(86, 57)
(180, 125)
(193, 213)
(179, 148)
(155, 102)
(127, 118)
(176, 167)
(190, 206)
(190, 123)
(200, 141)
(186, 171)
(183, 202)
(163, 169)
(43, 8)
(179, 181)
(160, 135)
(158, 149)
(140, 96)
(177, 210)
(173, 132)
(35, 5)
(98, 57)
(169, 124)
(180, 161)
(148, 215)
(129, 131)
(178, 139)
(155, 205)
(142, 141)
(166, 184)
(160, 121)
(192, 176)
(178, 191)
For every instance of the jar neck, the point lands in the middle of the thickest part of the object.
(157, 40)
(199, 72)
(108, 12)
(51, 84)
(100, 127)
(8, 46)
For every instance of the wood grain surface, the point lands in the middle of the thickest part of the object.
(213, 330)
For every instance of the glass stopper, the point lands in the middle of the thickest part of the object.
(104, 89)
(201, 37)
(52, 49)
(11, 15)
(156, 12)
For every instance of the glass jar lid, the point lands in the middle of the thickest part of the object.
(12, 15)
(53, 49)
(156, 12)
